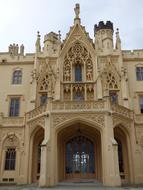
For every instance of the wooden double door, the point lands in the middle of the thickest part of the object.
(80, 158)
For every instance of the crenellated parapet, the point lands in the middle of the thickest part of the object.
(136, 55)
(15, 50)
(102, 25)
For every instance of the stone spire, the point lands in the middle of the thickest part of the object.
(38, 45)
(118, 40)
(77, 12)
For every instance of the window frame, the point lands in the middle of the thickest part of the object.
(139, 74)
(10, 163)
(17, 80)
(76, 78)
(117, 96)
(44, 101)
(10, 99)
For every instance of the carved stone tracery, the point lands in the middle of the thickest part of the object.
(58, 119)
(110, 76)
(46, 78)
(77, 54)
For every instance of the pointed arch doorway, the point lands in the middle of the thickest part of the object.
(79, 157)
(79, 153)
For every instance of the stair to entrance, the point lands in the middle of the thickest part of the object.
(81, 182)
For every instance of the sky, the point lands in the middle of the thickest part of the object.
(21, 19)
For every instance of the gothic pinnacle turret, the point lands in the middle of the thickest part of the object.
(104, 36)
(118, 40)
(38, 44)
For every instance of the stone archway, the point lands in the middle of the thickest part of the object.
(37, 139)
(80, 135)
(121, 137)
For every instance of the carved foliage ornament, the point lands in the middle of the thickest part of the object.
(11, 141)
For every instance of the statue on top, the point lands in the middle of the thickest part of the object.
(77, 10)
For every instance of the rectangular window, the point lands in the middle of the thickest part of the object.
(43, 99)
(113, 96)
(141, 104)
(17, 77)
(14, 107)
(10, 159)
(139, 73)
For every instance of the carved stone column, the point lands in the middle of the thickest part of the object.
(111, 175)
(99, 89)
(124, 87)
(44, 170)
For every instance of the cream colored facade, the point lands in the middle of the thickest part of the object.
(93, 95)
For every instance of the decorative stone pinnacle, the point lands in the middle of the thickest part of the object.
(117, 31)
(38, 45)
(38, 34)
(77, 11)
(59, 32)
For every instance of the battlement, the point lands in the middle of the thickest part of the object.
(52, 36)
(102, 25)
(137, 53)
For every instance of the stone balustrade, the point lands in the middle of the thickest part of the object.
(79, 105)
(139, 118)
(121, 110)
(37, 111)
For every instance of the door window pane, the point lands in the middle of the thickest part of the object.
(80, 156)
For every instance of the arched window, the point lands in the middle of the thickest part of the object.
(17, 77)
(78, 72)
(10, 159)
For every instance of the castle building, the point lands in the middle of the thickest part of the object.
(72, 110)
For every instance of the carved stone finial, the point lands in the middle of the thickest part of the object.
(38, 45)
(59, 32)
(118, 40)
(22, 49)
(77, 11)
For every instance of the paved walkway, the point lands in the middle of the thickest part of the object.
(78, 186)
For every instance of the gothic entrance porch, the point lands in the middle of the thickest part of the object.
(79, 153)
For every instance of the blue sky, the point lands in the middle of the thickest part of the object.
(21, 19)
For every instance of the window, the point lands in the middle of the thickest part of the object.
(141, 104)
(10, 159)
(139, 73)
(113, 96)
(43, 99)
(78, 72)
(78, 95)
(14, 107)
(17, 77)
